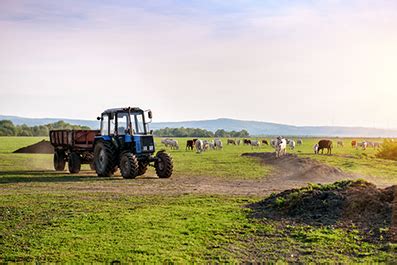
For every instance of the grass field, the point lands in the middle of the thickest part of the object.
(57, 217)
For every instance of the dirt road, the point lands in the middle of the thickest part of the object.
(288, 172)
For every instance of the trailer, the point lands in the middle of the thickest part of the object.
(76, 147)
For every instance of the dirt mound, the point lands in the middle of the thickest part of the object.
(43, 147)
(342, 203)
(301, 169)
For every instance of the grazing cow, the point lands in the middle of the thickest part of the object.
(231, 141)
(190, 144)
(315, 149)
(281, 147)
(273, 143)
(170, 143)
(199, 146)
(371, 144)
(173, 144)
(206, 145)
(218, 144)
(363, 145)
(255, 143)
(339, 143)
(265, 142)
(354, 144)
(238, 142)
(211, 145)
(291, 144)
(247, 141)
(325, 144)
(299, 142)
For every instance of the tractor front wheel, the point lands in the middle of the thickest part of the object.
(129, 166)
(163, 165)
(104, 159)
(59, 160)
(74, 163)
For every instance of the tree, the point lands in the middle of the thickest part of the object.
(7, 128)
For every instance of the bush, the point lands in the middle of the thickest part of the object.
(388, 150)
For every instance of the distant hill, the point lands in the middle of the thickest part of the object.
(253, 127)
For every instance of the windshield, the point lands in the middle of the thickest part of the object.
(138, 123)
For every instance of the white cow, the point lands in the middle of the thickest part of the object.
(255, 143)
(363, 145)
(339, 143)
(206, 145)
(170, 143)
(291, 144)
(281, 147)
(199, 146)
(315, 148)
(218, 144)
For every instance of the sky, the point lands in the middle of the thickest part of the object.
(296, 62)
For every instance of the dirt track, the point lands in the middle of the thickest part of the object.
(288, 172)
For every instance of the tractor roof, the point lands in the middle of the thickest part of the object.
(114, 110)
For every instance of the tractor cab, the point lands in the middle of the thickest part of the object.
(128, 127)
(125, 142)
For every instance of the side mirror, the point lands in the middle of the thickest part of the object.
(98, 118)
(150, 115)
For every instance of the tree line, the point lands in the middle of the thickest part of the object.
(197, 132)
(7, 128)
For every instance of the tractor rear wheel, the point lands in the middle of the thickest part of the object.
(104, 159)
(163, 165)
(59, 160)
(74, 163)
(142, 168)
(129, 166)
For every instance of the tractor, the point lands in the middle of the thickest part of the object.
(125, 142)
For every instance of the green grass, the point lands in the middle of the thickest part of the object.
(43, 219)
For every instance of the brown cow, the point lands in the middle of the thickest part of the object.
(247, 141)
(354, 143)
(325, 144)
(190, 144)
(265, 142)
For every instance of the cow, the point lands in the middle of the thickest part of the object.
(371, 144)
(325, 144)
(170, 143)
(231, 141)
(376, 145)
(363, 145)
(173, 144)
(190, 144)
(315, 149)
(211, 145)
(354, 144)
(238, 142)
(339, 143)
(199, 146)
(291, 144)
(299, 142)
(265, 142)
(255, 143)
(218, 144)
(206, 145)
(281, 147)
(247, 142)
(273, 143)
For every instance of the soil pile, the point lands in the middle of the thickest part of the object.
(43, 147)
(342, 203)
(295, 168)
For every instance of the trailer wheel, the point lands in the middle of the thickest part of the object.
(104, 159)
(129, 166)
(59, 160)
(163, 165)
(142, 168)
(74, 163)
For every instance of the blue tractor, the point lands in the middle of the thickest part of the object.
(125, 142)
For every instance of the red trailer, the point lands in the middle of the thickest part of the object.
(73, 146)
